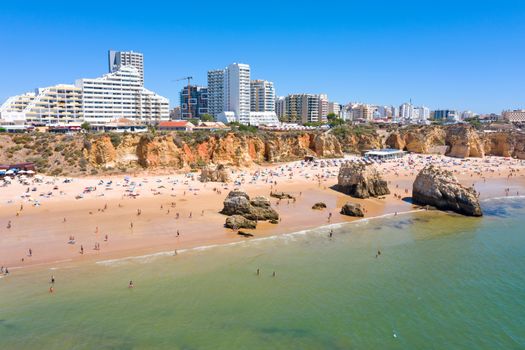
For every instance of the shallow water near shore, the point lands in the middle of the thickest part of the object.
(441, 281)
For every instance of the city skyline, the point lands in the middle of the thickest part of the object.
(464, 57)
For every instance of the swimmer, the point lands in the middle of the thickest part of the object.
(52, 279)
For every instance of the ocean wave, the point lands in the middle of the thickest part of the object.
(502, 198)
(291, 236)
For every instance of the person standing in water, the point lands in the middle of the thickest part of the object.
(130, 285)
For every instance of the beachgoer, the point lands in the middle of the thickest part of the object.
(130, 285)
(258, 272)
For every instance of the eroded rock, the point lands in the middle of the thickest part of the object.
(319, 206)
(352, 209)
(238, 221)
(361, 181)
(258, 208)
(440, 188)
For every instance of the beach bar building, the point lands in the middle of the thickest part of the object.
(384, 154)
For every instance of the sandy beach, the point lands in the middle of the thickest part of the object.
(120, 216)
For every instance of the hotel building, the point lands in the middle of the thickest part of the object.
(121, 95)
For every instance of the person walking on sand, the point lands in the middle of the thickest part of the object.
(30, 252)
(178, 233)
(81, 249)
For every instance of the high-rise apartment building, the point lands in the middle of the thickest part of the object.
(215, 92)
(334, 108)
(280, 107)
(406, 111)
(409, 113)
(121, 95)
(117, 59)
(302, 108)
(262, 95)
(198, 99)
(237, 91)
(446, 115)
(323, 107)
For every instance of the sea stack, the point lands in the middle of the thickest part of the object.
(440, 188)
(256, 209)
(361, 181)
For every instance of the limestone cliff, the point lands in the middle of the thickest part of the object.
(463, 141)
(460, 141)
(417, 139)
(182, 151)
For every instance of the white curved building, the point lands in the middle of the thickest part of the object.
(120, 95)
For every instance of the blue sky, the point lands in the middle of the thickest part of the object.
(443, 54)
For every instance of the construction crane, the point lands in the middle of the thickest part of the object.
(189, 94)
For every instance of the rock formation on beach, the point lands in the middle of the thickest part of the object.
(352, 209)
(281, 195)
(217, 173)
(440, 188)
(319, 206)
(238, 221)
(361, 181)
(238, 203)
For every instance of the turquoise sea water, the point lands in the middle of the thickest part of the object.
(441, 282)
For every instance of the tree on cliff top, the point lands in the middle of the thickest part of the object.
(206, 118)
(85, 126)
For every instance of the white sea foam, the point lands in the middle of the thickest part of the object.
(502, 197)
(286, 237)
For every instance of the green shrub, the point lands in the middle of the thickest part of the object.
(115, 138)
